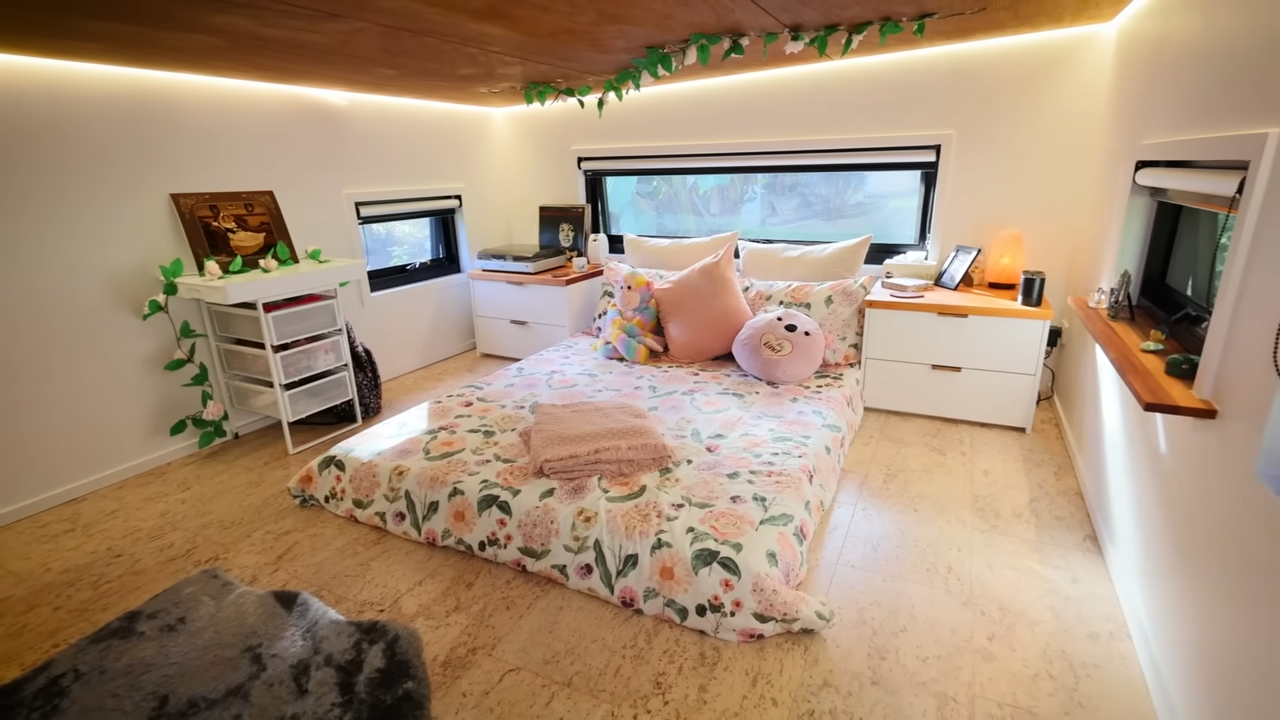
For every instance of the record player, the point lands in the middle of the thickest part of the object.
(520, 258)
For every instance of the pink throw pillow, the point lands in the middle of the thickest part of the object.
(702, 309)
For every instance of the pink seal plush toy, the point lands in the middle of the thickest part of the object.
(782, 346)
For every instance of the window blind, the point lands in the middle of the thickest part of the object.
(903, 156)
(418, 207)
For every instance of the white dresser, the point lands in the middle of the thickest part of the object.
(970, 354)
(518, 315)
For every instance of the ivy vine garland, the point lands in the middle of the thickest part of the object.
(659, 62)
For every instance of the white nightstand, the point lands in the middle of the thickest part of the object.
(518, 315)
(970, 354)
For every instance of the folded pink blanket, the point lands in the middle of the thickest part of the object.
(586, 439)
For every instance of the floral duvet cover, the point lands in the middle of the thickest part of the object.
(717, 541)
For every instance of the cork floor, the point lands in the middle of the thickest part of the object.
(960, 560)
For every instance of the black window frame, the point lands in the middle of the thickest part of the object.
(420, 271)
(876, 254)
(1186, 319)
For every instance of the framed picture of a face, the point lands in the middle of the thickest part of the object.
(224, 225)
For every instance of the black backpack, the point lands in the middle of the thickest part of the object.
(368, 388)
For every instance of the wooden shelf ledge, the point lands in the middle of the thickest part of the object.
(1142, 372)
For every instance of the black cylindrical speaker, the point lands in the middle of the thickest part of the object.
(1031, 289)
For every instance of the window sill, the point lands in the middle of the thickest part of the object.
(1142, 372)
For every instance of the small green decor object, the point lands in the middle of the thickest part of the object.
(314, 254)
(210, 420)
(1151, 346)
(1182, 365)
(658, 62)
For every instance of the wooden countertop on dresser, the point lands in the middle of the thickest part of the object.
(964, 301)
(558, 277)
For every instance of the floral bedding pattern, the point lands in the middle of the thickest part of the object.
(717, 541)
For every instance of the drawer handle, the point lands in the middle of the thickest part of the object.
(953, 315)
(946, 368)
(518, 322)
(517, 284)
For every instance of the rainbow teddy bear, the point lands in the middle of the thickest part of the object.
(630, 326)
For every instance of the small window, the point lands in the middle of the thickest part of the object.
(801, 198)
(1191, 232)
(409, 241)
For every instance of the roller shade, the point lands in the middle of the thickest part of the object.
(904, 156)
(417, 207)
(1218, 183)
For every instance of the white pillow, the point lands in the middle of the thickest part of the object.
(804, 263)
(673, 253)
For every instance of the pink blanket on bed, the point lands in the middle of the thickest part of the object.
(586, 439)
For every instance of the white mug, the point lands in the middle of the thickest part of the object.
(579, 264)
(597, 246)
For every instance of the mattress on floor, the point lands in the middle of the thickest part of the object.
(717, 541)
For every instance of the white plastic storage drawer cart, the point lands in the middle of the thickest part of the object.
(279, 343)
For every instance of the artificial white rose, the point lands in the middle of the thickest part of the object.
(212, 270)
(146, 306)
(795, 46)
(213, 411)
(268, 264)
(691, 55)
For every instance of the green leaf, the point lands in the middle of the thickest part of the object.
(454, 492)
(433, 507)
(325, 463)
(236, 265)
(779, 520)
(528, 96)
(700, 610)
(602, 565)
(918, 31)
(581, 104)
(617, 91)
(712, 39)
(844, 50)
(562, 569)
(344, 283)
(175, 269)
(728, 53)
(649, 595)
(667, 63)
(819, 42)
(762, 618)
(761, 501)
(200, 423)
(704, 54)
(191, 350)
(584, 91)
(658, 544)
(730, 567)
(696, 38)
(504, 507)
(531, 553)
(206, 439)
(464, 545)
(175, 364)
(862, 28)
(178, 428)
(218, 430)
(486, 502)
(627, 498)
(891, 27)
(629, 563)
(185, 331)
(541, 94)
(736, 547)
(600, 106)
(170, 289)
(287, 263)
(165, 274)
(682, 613)
(546, 494)
(771, 557)
(770, 37)
(315, 253)
(282, 251)
(703, 558)
(206, 397)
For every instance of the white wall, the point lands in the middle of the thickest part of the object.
(1192, 538)
(1025, 113)
(88, 157)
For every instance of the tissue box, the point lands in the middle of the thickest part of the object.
(924, 269)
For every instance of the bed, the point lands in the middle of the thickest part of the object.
(717, 541)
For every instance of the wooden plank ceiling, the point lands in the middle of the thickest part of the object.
(476, 52)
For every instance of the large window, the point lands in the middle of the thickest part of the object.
(802, 198)
(409, 241)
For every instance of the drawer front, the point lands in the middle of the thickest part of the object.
(541, 304)
(977, 342)
(515, 340)
(975, 395)
(303, 321)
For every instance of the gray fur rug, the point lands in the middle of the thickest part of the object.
(209, 647)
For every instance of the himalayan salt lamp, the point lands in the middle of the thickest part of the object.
(1005, 260)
